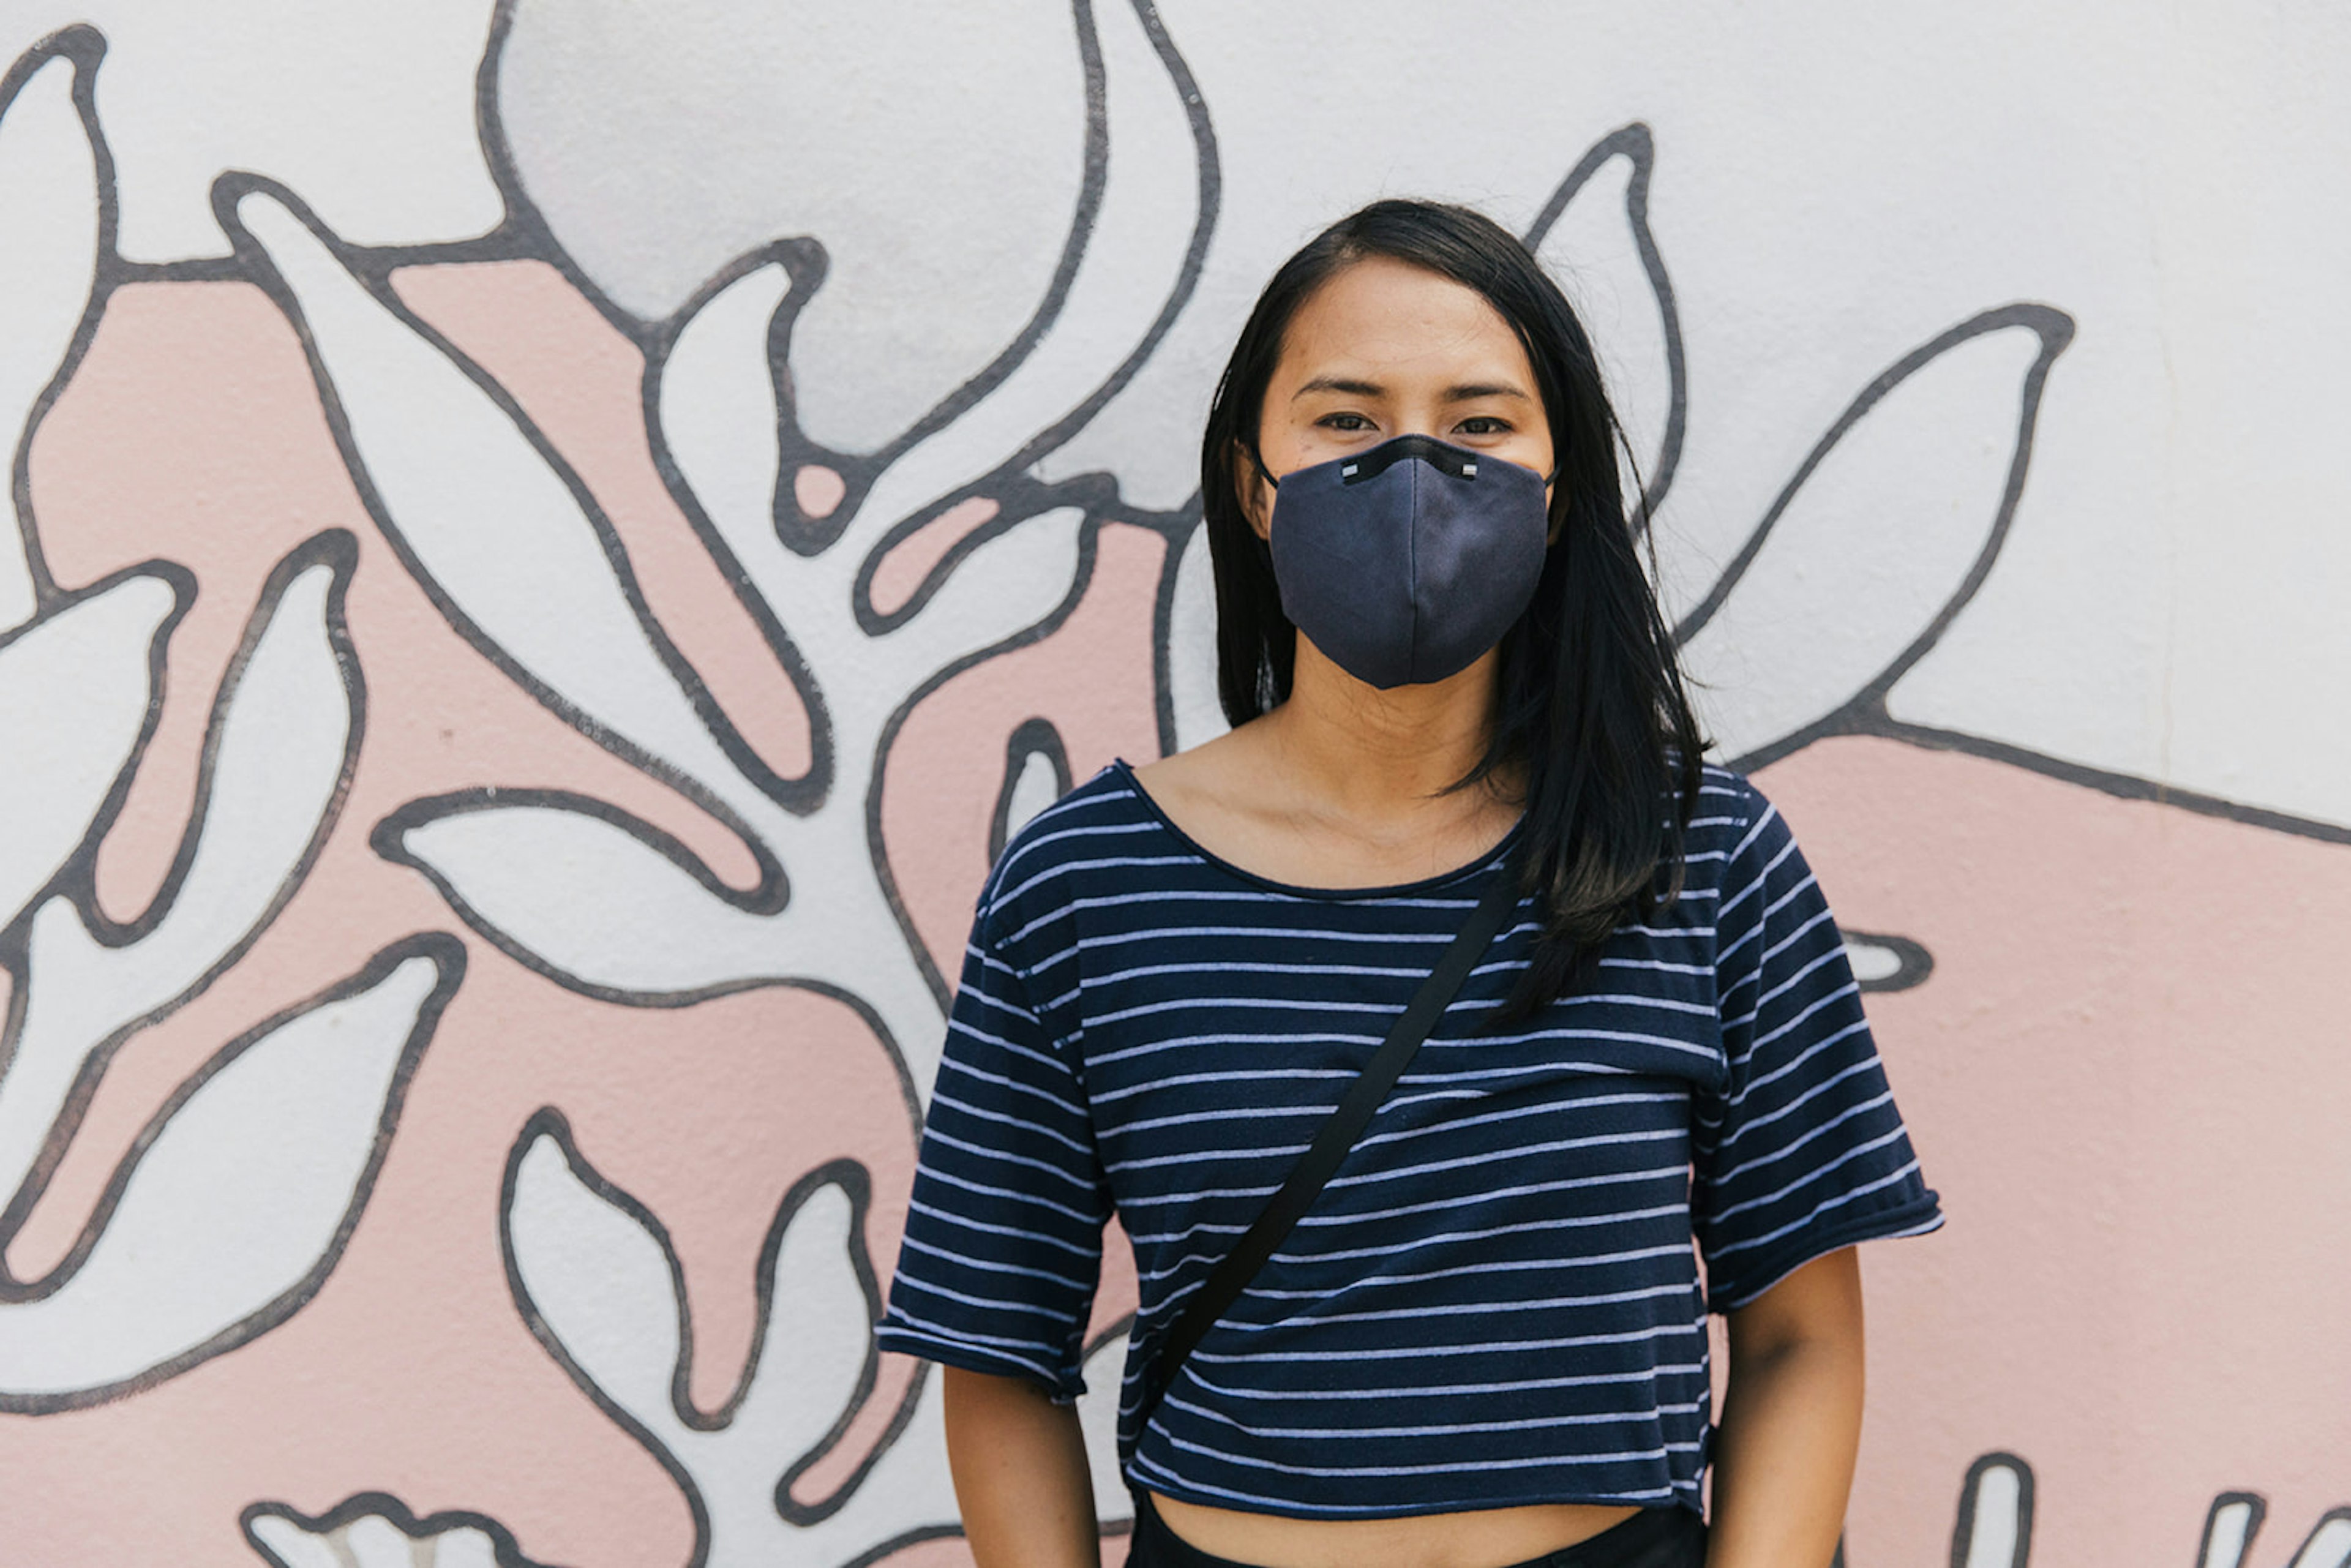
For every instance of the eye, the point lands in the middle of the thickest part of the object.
(1485, 424)
(1349, 423)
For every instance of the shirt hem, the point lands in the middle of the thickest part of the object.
(973, 1358)
(1685, 1495)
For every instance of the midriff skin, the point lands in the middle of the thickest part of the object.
(1485, 1538)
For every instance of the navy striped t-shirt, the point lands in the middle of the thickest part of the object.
(1498, 1299)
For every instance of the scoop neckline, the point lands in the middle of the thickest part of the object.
(1298, 890)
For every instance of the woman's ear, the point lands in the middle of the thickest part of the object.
(1257, 495)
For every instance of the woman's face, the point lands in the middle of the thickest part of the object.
(1385, 349)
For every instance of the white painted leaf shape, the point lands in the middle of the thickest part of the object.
(815, 1351)
(1191, 661)
(74, 691)
(288, 1545)
(587, 897)
(283, 738)
(493, 530)
(1031, 790)
(1104, 1371)
(2329, 1545)
(1010, 583)
(358, 1534)
(1885, 530)
(818, 1337)
(717, 409)
(237, 1202)
(1995, 1524)
(1154, 159)
(48, 261)
(1599, 248)
(596, 1280)
(933, 148)
(1133, 268)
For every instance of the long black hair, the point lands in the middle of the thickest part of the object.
(1591, 708)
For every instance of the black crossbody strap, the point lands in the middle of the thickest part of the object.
(1337, 1139)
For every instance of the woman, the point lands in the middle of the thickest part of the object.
(1484, 1344)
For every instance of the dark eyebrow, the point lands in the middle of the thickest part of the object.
(1339, 384)
(1469, 392)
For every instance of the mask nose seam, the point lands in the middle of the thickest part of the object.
(1417, 468)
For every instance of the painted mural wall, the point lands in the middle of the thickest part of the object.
(552, 539)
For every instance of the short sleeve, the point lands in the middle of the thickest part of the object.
(1003, 1242)
(1801, 1152)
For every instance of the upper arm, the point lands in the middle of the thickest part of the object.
(1819, 1302)
(1800, 1151)
(1002, 1249)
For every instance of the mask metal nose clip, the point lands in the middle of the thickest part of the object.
(1468, 468)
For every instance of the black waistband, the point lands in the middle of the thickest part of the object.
(1652, 1538)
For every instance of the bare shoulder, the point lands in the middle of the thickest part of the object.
(1228, 795)
(1226, 769)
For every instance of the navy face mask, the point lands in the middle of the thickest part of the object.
(1406, 561)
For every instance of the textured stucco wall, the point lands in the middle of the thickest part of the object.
(557, 535)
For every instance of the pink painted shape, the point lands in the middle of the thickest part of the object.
(582, 385)
(903, 568)
(1092, 678)
(2126, 1079)
(817, 489)
(191, 430)
(411, 1371)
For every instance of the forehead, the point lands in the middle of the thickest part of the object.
(1388, 320)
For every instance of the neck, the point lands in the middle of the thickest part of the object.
(1374, 755)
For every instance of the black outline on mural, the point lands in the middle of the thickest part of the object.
(369, 272)
(1183, 523)
(2332, 1516)
(448, 956)
(1033, 737)
(2258, 1508)
(855, 1184)
(1913, 965)
(1099, 489)
(505, 1550)
(1866, 712)
(1970, 1496)
(181, 584)
(525, 235)
(83, 47)
(1635, 144)
(1021, 498)
(77, 878)
(811, 535)
(2054, 329)
(388, 839)
(804, 265)
(2121, 785)
(337, 550)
